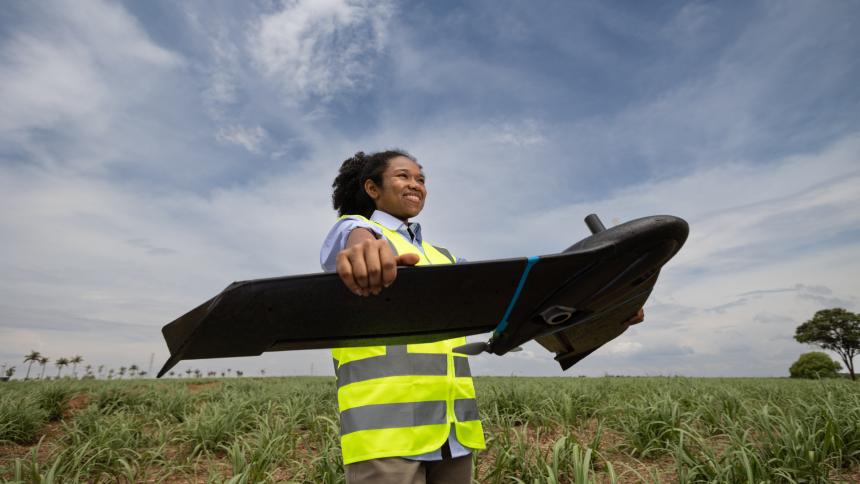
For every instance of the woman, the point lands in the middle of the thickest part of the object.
(408, 412)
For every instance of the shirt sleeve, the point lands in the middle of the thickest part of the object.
(335, 241)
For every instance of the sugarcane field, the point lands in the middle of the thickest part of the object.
(539, 430)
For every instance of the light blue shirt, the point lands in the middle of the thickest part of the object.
(335, 242)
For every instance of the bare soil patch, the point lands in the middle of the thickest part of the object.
(196, 387)
(76, 404)
(50, 435)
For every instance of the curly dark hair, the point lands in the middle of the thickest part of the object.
(349, 197)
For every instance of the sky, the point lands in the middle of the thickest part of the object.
(153, 152)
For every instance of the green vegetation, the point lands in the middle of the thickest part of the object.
(545, 430)
(836, 330)
(814, 364)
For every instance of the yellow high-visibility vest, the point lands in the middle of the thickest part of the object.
(403, 400)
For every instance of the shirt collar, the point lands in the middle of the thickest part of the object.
(393, 223)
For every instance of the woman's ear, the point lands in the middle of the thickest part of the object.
(371, 189)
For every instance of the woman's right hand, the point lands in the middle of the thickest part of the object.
(367, 264)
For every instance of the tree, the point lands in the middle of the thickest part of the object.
(74, 361)
(43, 362)
(31, 358)
(60, 363)
(132, 370)
(10, 371)
(814, 364)
(121, 372)
(836, 330)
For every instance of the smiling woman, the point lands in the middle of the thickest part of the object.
(362, 180)
(408, 412)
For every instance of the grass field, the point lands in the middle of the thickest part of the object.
(538, 430)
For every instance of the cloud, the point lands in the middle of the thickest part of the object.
(691, 20)
(70, 72)
(795, 288)
(249, 138)
(46, 84)
(56, 76)
(145, 244)
(320, 48)
(144, 168)
(772, 318)
(624, 348)
(521, 133)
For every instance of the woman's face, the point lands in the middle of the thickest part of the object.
(402, 193)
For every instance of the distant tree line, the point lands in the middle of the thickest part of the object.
(90, 372)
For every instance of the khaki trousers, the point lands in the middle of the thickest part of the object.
(397, 470)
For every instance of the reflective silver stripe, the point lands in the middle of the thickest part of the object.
(395, 363)
(395, 350)
(461, 366)
(446, 253)
(392, 415)
(466, 409)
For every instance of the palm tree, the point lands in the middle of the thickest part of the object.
(89, 370)
(197, 373)
(263, 372)
(188, 372)
(132, 370)
(43, 361)
(121, 372)
(101, 369)
(60, 363)
(141, 374)
(31, 358)
(171, 373)
(110, 374)
(74, 361)
(9, 372)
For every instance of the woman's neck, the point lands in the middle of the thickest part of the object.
(398, 217)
